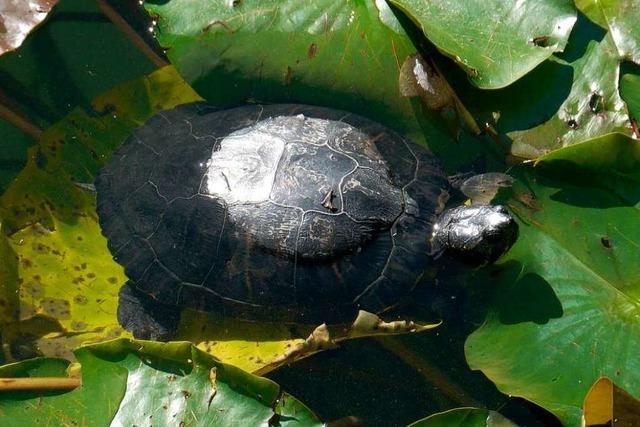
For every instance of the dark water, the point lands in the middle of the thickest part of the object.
(77, 55)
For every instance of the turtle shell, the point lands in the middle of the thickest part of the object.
(270, 212)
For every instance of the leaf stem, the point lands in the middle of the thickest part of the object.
(20, 121)
(429, 372)
(39, 383)
(126, 29)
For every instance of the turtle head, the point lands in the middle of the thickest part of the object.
(476, 234)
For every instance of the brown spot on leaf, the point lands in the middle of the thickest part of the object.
(35, 289)
(288, 75)
(606, 242)
(541, 41)
(112, 280)
(312, 51)
(114, 333)
(42, 248)
(55, 307)
(634, 127)
(77, 325)
(595, 103)
(80, 299)
(222, 24)
(573, 124)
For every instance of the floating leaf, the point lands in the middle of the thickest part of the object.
(495, 42)
(66, 278)
(565, 310)
(465, 417)
(323, 337)
(340, 54)
(18, 18)
(621, 18)
(630, 92)
(127, 382)
(8, 280)
(593, 107)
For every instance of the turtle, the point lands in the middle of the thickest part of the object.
(290, 213)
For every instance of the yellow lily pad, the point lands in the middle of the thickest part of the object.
(59, 281)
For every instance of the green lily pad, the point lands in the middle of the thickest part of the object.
(341, 54)
(465, 417)
(128, 382)
(621, 18)
(593, 108)
(566, 301)
(630, 91)
(495, 42)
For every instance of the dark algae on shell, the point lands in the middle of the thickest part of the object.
(267, 212)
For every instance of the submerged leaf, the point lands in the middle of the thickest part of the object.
(128, 382)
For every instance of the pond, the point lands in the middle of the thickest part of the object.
(299, 186)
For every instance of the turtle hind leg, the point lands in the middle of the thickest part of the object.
(144, 317)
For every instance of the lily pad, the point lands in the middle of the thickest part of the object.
(565, 308)
(495, 42)
(594, 106)
(341, 54)
(630, 91)
(126, 382)
(465, 417)
(8, 280)
(621, 18)
(66, 280)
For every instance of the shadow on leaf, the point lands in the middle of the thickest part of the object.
(529, 299)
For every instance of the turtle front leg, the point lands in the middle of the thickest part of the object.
(144, 317)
